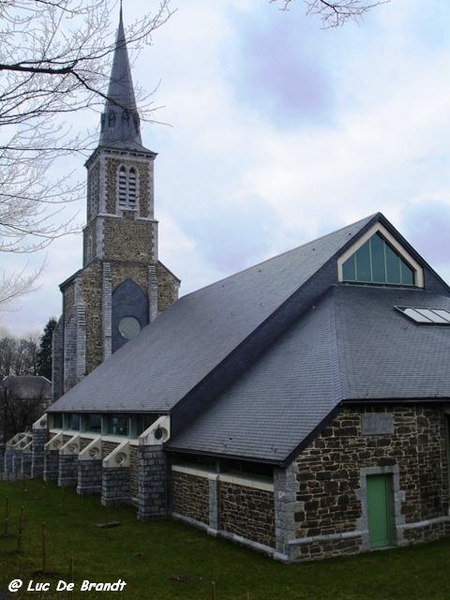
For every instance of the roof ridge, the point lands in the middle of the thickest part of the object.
(365, 220)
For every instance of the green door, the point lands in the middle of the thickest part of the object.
(379, 510)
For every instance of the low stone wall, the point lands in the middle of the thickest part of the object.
(9, 459)
(115, 486)
(190, 496)
(89, 477)
(428, 531)
(247, 512)
(27, 458)
(238, 507)
(134, 475)
(40, 438)
(316, 549)
(68, 470)
(51, 465)
(152, 500)
(108, 447)
(84, 442)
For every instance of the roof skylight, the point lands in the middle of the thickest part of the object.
(427, 316)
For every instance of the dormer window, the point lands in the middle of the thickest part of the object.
(127, 188)
(379, 258)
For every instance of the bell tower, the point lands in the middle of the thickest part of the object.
(122, 286)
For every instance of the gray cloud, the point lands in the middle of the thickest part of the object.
(275, 70)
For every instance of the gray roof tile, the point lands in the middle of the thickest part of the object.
(353, 346)
(350, 345)
(155, 370)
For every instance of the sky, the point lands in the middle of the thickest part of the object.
(276, 131)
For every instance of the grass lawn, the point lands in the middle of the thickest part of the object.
(170, 561)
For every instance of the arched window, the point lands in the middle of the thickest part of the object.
(127, 187)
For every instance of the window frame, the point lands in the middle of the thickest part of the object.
(127, 187)
(395, 246)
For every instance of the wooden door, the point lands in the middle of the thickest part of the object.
(379, 501)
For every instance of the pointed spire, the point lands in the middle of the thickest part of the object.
(120, 125)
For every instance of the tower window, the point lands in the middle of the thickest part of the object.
(127, 187)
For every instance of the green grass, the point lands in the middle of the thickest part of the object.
(170, 561)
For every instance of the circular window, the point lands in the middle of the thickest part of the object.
(158, 434)
(129, 327)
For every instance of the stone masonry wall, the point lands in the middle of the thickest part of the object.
(108, 447)
(91, 288)
(27, 458)
(40, 438)
(145, 170)
(152, 498)
(68, 470)
(68, 300)
(115, 486)
(89, 476)
(2, 457)
(89, 242)
(190, 496)
(168, 286)
(134, 475)
(408, 442)
(129, 240)
(51, 465)
(247, 512)
(129, 270)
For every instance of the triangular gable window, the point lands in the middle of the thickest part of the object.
(376, 261)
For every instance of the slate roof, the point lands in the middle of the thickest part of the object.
(354, 345)
(329, 343)
(120, 120)
(155, 370)
(28, 387)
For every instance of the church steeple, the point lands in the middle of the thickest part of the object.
(122, 285)
(120, 124)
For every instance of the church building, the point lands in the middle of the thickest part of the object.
(300, 407)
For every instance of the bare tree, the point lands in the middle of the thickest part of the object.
(55, 60)
(334, 13)
(18, 356)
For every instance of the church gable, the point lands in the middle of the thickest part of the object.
(377, 257)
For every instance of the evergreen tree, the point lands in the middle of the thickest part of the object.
(44, 354)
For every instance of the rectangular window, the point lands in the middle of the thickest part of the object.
(378, 261)
(144, 422)
(94, 423)
(118, 425)
(74, 421)
(363, 263)
(244, 468)
(349, 269)
(57, 420)
(392, 266)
